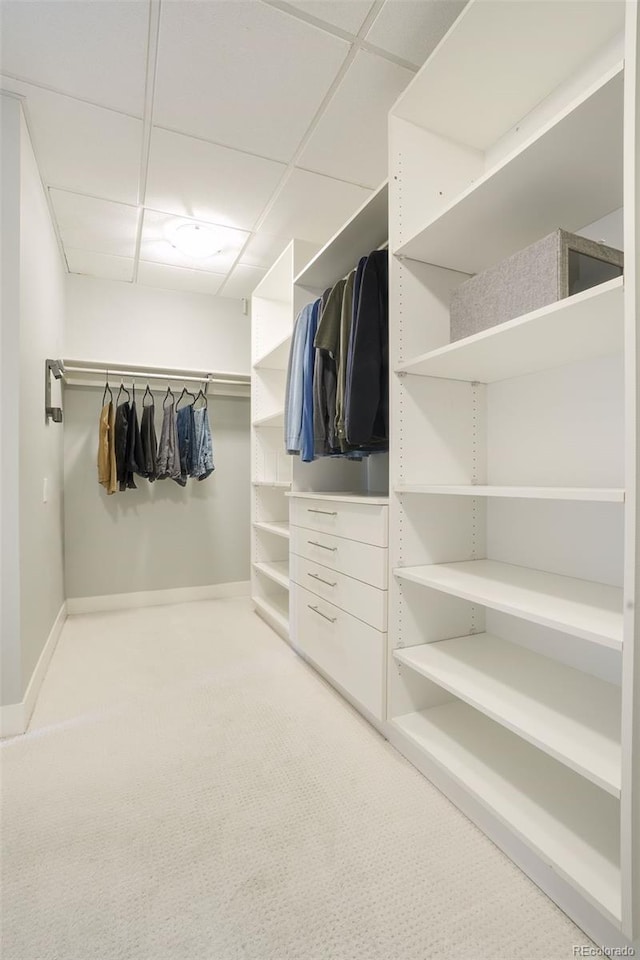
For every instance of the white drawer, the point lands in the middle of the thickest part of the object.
(366, 522)
(360, 599)
(343, 648)
(358, 560)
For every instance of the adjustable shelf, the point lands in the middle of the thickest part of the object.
(275, 419)
(277, 484)
(544, 45)
(541, 700)
(572, 824)
(277, 529)
(276, 570)
(367, 230)
(544, 183)
(277, 358)
(594, 494)
(587, 325)
(581, 608)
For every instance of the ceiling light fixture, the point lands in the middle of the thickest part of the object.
(196, 240)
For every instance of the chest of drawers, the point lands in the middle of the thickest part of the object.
(339, 575)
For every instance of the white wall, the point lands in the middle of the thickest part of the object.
(159, 536)
(32, 327)
(110, 321)
(11, 672)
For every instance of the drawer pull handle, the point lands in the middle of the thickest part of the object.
(321, 614)
(316, 577)
(314, 543)
(328, 513)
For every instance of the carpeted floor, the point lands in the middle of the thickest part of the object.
(190, 790)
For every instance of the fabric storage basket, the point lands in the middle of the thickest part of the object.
(550, 269)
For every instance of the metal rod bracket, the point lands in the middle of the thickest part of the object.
(51, 367)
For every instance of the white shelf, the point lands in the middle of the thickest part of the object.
(595, 494)
(568, 822)
(276, 570)
(581, 608)
(277, 358)
(275, 611)
(570, 715)
(277, 484)
(457, 96)
(278, 529)
(587, 325)
(275, 419)
(367, 230)
(545, 184)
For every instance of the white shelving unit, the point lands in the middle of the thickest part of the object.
(273, 310)
(513, 679)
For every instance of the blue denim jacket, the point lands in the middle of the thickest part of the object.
(202, 460)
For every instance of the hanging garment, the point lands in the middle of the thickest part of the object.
(307, 445)
(367, 410)
(324, 376)
(121, 431)
(293, 390)
(356, 300)
(327, 342)
(185, 426)
(107, 471)
(203, 465)
(346, 317)
(133, 456)
(168, 456)
(149, 442)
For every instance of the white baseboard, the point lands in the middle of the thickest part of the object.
(153, 598)
(15, 717)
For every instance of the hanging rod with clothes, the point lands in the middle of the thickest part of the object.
(77, 369)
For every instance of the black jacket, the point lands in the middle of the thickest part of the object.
(367, 393)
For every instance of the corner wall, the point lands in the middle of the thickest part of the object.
(31, 449)
(42, 309)
(10, 653)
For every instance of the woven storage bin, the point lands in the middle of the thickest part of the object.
(555, 267)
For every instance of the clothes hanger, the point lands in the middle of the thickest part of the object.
(144, 396)
(188, 394)
(201, 395)
(107, 388)
(168, 394)
(122, 387)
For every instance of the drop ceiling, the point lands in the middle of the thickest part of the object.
(263, 119)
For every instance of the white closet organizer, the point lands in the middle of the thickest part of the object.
(339, 540)
(339, 570)
(273, 310)
(512, 680)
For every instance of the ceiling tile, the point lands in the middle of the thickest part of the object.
(242, 282)
(178, 278)
(96, 51)
(82, 148)
(99, 265)
(96, 225)
(263, 249)
(159, 243)
(313, 207)
(243, 74)
(195, 179)
(412, 28)
(350, 141)
(347, 14)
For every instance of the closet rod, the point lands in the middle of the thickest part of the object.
(77, 369)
